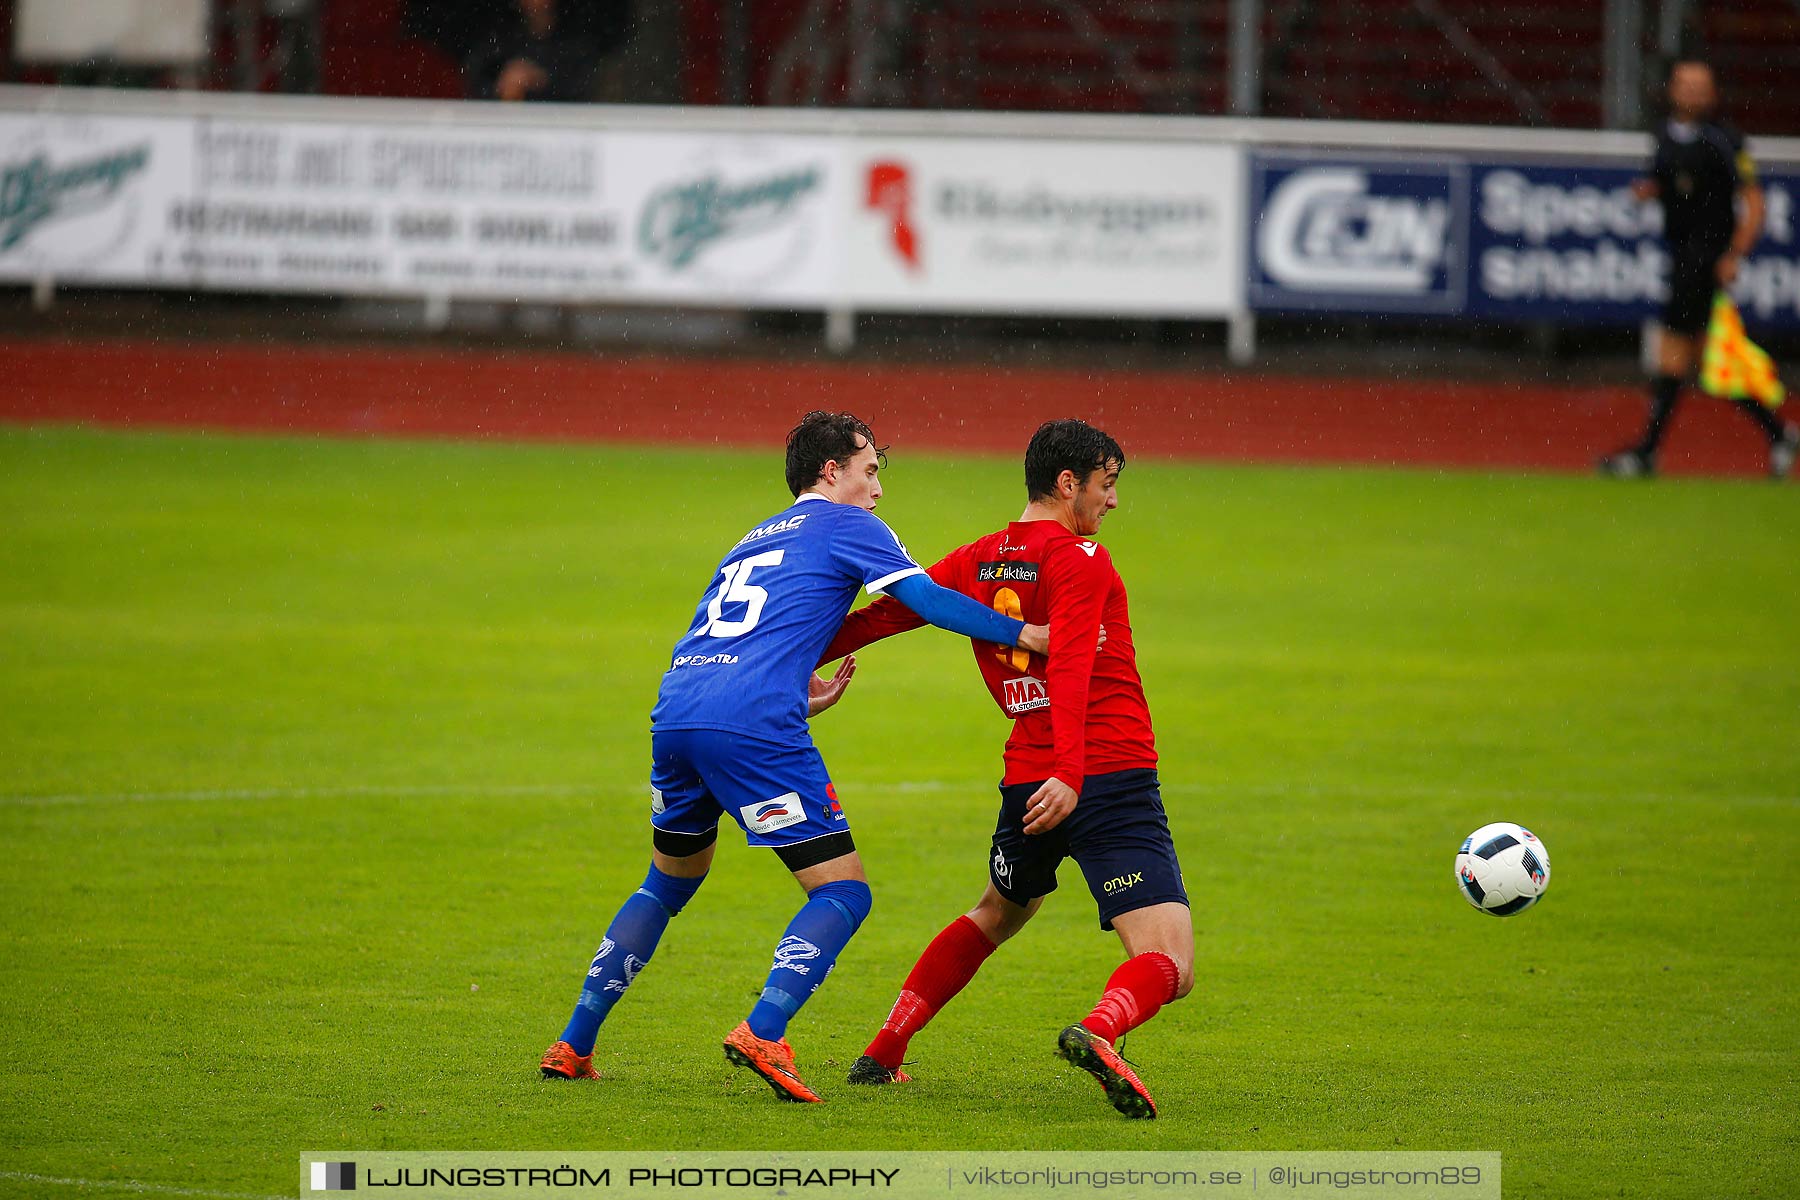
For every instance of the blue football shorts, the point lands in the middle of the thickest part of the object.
(778, 792)
(1118, 835)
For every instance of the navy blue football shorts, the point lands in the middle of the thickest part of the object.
(778, 792)
(1118, 835)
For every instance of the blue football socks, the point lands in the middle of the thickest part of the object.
(630, 941)
(809, 949)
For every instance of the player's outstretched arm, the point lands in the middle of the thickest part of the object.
(871, 550)
(887, 617)
(870, 623)
(956, 612)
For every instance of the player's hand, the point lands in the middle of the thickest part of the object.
(821, 694)
(1101, 644)
(1644, 189)
(1047, 807)
(1035, 638)
(1727, 268)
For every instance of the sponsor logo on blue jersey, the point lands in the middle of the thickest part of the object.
(772, 528)
(704, 660)
(766, 616)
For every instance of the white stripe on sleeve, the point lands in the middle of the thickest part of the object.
(885, 580)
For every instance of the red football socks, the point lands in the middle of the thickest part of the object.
(1135, 993)
(942, 971)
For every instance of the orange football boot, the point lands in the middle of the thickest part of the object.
(774, 1061)
(561, 1062)
(1095, 1055)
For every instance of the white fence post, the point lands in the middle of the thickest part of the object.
(1240, 337)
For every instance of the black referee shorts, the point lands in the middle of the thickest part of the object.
(1693, 281)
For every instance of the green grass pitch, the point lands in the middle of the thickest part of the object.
(322, 768)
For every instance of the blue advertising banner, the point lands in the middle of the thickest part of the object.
(1553, 242)
(1358, 234)
(1509, 240)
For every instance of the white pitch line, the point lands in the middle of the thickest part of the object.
(132, 1185)
(863, 786)
(426, 791)
(401, 791)
(1416, 791)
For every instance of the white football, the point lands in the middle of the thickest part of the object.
(1502, 869)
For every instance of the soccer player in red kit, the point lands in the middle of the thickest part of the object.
(1080, 776)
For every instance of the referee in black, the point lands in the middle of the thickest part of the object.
(1700, 173)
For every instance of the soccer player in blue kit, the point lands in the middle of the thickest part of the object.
(729, 737)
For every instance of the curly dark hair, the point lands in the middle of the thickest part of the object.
(1067, 445)
(823, 437)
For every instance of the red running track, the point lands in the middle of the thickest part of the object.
(1238, 417)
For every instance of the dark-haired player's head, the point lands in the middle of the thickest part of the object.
(835, 454)
(1073, 466)
(1693, 92)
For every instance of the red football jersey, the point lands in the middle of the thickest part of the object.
(1079, 713)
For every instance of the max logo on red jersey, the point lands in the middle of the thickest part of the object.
(1008, 572)
(1024, 694)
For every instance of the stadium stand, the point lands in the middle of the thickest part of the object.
(1523, 62)
(1536, 62)
(368, 53)
(1755, 45)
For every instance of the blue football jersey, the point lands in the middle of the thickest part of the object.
(774, 604)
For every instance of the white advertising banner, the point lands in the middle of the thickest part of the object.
(555, 214)
(563, 213)
(718, 218)
(312, 206)
(83, 199)
(1015, 225)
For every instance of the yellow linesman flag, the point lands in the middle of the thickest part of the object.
(1733, 366)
